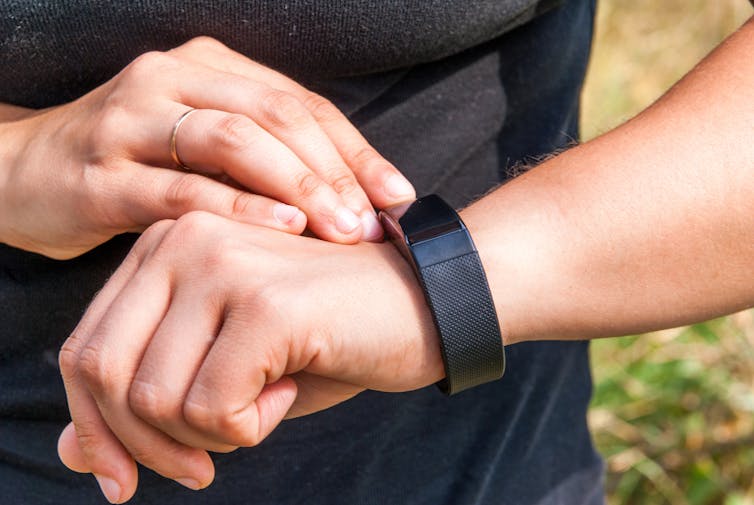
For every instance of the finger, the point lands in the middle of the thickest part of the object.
(96, 449)
(116, 474)
(236, 145)
(290, 122)
(108, 365)
(240, 394)
(382, 181)
(322, 185)
(171, 362)
(152, 194)
(385, 185)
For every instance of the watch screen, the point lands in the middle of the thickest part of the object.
(426, 218)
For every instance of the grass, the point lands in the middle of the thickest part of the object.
(673, 411)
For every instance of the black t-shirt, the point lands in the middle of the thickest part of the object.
(456, 94)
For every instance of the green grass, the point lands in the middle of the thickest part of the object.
(673, 411)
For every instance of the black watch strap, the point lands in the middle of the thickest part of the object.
(461, 303)
(432, 236)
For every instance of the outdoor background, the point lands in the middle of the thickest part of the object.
(673, 412)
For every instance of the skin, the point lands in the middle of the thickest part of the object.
(647, 227)
(257, 139)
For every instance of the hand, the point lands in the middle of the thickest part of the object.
(212, 331)
(78, 174)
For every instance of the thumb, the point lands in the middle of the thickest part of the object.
(153, 194)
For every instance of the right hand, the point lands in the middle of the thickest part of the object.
(211, 331)
(80, 173)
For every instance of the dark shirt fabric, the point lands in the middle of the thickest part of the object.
(456, 94)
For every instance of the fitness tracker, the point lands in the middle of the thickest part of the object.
(432, 237)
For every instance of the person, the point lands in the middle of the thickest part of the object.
(214, 329)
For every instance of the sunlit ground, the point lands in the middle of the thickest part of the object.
(673, 411)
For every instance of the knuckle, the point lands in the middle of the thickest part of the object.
(307, 185)
(204, 42)
(243, 204)
(145, 66)
(343, 182)
(282, 110)
(194, 227)
(149, 240)
(168, 458)
(153, 233)
(225, 448)
(90, 440)
(240, 430)
(371, 163)
(367, 156)
(183, 192)
(147, 402)
(194, 223)
(95, 371)
(222, 419)
(322, 108)
(234, 132)
(68, 356)
(197, 414)
(152, 458)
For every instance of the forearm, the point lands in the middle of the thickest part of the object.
(649, 226)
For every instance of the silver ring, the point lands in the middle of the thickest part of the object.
(174, 136)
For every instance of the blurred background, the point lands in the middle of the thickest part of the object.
(673, 411)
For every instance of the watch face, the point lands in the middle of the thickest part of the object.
(413, 226)
(426, 218)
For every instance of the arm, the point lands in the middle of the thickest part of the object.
(649, 226)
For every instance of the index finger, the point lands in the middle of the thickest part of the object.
(381, 180)
(116, 474)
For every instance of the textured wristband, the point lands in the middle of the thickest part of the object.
(433, 238)
(461, 303)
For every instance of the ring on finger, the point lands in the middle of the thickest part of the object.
(174, 136)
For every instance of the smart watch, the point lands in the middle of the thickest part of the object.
(432, 237)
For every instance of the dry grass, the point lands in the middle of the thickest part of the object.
(642, 47)
(673, 411)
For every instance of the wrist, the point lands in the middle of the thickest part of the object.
(437, 244)
(407, 306)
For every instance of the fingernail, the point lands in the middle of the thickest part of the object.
(346, 221)
(109, 487)
(371, 230)
(189, 483)
(285, 213)
(398, 186)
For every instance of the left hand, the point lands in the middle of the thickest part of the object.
(212, 331)
(268, 138)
